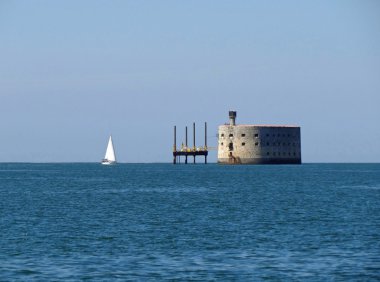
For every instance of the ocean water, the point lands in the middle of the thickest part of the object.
(149, 222)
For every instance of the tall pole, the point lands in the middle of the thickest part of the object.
(175, 146)
(194, 148)
(206, 135)
(206, 142)
(175, 139)
(186, 146)
(194, 135)
(186, 137)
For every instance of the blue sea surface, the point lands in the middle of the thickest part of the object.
(148, 222)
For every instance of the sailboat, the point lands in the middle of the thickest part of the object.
(110, 157)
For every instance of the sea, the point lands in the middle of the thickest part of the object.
(164, 222)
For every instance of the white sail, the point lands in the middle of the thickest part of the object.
(110, 153)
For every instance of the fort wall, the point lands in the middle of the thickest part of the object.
(259, 144)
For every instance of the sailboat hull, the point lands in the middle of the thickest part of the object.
(108, 162)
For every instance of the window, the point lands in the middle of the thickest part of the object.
(267, 135)
(222, 135)
(256, 135)
(267, 153)
(243, 144)
(274, 154)
(221, 143)
(231, 135)
(231, 146)
(257, 143)
(267, 143)
(243, 135)
(294, 154)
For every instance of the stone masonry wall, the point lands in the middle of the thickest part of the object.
(251, 144)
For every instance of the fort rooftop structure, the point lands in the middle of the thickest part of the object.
(258, 144)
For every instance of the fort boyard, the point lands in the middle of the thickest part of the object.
(258, 144)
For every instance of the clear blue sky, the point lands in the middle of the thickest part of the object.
(72, 72)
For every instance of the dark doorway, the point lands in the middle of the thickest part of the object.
(231, 146)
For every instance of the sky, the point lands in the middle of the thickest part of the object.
(74, 72)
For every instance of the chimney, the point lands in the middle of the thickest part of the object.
(232, 115)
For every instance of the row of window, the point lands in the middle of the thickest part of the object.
(268, 144)
(242, 135)
(256, 135)
(279, 144)
(280, 135)
(231, 148)
(279, 154)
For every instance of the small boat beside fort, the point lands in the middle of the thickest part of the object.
(110, 157)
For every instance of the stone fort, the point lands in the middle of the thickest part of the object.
(258, 144)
